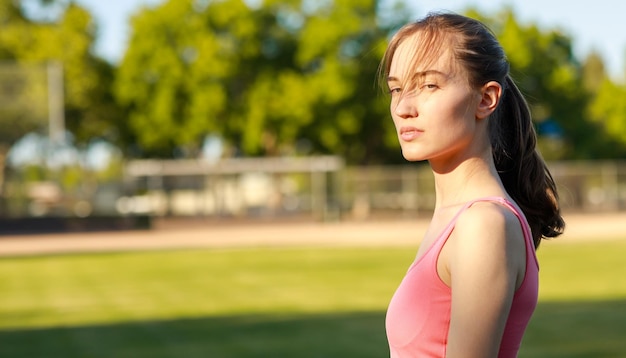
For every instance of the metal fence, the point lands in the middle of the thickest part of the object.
(250, 187)
(591, 186)
(324, 188)
(320, 188)
(583, 187)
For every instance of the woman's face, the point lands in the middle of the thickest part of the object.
(433, 107)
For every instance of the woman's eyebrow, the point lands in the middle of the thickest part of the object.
(419, 74)
(429, 72)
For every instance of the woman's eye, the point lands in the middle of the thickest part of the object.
(394, 90)
(430, 86)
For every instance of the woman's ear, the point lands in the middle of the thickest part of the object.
(490, 97)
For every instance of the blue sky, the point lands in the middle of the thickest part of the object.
(599, 25)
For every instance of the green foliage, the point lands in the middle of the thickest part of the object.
(281, 77)
(269, 76)
(89, 107)
(23, 87)
(262, 77)
(172, 77)
(608, 109)
(23, 101)
(28, 46)
(593, 72)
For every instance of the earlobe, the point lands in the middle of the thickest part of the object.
(490, 97)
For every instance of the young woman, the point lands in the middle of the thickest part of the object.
(473, 286)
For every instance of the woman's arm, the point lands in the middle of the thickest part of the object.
(485, 258)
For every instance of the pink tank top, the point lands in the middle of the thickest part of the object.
(418, 317)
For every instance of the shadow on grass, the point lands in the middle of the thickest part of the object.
(575, 330)
(590, 329)
(341, 335)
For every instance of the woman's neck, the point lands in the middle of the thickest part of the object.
(473, 178)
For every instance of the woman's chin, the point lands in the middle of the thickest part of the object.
(412, 157)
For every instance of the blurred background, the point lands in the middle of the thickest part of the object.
(136, 114)
(270, 108)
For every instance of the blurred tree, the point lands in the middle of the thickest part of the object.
(173, 76)
(274, 77)
(22, 88)
(608, 110)
(271, 78)
(27, 46)
(593, 72)
(19, 86)
(90, 110)
(23, 105)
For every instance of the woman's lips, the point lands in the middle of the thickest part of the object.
(408, 134)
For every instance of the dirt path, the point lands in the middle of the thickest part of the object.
(372, 233)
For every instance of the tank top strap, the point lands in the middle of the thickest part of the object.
(443, 237)
(437, 245)
(528, 237)
(448, 229)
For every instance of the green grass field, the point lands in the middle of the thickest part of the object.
(290, 302)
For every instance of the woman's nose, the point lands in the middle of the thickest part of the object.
(405, 106)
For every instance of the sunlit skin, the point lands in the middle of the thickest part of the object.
(442, 119)
(435, 117)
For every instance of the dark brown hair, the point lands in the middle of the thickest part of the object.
(513, 139)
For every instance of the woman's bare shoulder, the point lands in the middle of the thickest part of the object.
(489, 223)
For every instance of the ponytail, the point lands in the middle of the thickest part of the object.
(522, 170)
